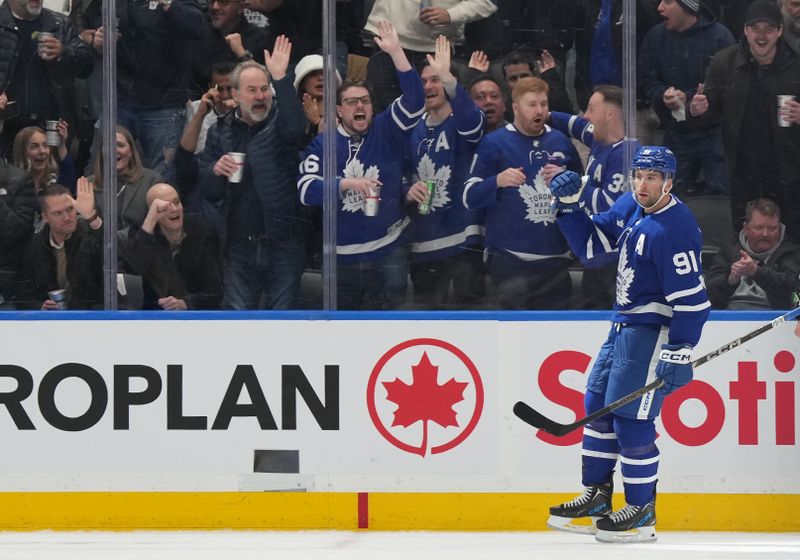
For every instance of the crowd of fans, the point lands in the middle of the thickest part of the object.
(452, 117)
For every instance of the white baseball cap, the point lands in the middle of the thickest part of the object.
(308, 64)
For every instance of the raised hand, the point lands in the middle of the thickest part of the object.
(479, 61)
(234, 41)
(387, 39)
(440, 61)
(278, 61)
(84, 201)
(547, 62)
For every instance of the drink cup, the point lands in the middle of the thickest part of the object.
(59, 297)
(372, 201)
(425, 207)
(41, 36)
(782, 101)
(53, 139)
(239, 159)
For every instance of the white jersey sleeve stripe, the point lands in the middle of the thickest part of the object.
(471, 181)
(653, 307)
(473, 131)
(304, 183)
(684, 293)
(699, 307)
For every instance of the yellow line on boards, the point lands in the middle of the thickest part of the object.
(121, 511)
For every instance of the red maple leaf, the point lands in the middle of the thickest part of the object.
(424, 399)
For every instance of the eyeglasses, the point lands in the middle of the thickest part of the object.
(222, 88)
(353, 101)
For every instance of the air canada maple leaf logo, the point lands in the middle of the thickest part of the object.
(425, 396)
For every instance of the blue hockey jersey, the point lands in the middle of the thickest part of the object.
(519, 220)
(606, 167)
(659, 273)
(442, 154)
(379, 155)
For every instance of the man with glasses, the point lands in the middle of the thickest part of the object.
(759, 270)
(372, 225)
(743, 88)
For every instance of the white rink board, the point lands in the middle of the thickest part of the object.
(753, 452)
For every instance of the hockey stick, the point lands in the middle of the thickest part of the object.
(538, 420)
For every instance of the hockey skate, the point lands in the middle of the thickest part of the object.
(581, 514)
(630, 524)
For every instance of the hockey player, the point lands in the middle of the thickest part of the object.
(372, 225)
(447, 242)
(659, 314)
(527, 257)
(602, 131)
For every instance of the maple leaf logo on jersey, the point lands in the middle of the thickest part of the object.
(424, 399)
(625, 276)
(352, 201)
(426, 170)
(537, 200)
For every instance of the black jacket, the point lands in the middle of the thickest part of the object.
(76, 61)
(84, 250)
(270, 170)
(193, 273)
(17, 207)
(778, 277)
(154, 52)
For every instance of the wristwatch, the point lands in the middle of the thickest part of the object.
(246, 56)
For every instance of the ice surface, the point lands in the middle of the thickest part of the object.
(343, 545)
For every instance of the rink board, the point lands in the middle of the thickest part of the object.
(391, 421)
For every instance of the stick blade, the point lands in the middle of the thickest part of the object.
(524, 412)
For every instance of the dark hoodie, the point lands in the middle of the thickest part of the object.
(669, 58)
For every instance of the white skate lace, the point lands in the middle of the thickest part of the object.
(580, 500)
(624, 514)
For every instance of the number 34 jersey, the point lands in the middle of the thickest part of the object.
(659, 273)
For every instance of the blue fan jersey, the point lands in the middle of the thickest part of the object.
(519, 220)
(659, 273)
(606, 167)
(378, 155)
(442, 153)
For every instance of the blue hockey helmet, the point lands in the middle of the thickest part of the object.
(655, 158)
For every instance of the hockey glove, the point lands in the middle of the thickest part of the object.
(674, 366)
(566, 188)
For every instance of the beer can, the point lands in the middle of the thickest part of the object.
(59, 298)
(51, 134)
(783, 100)
(425, 207)
(372, 201)
(425, 4)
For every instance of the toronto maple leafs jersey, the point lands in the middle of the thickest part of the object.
(606, 167)
(442, 154)
(378, 154)
(659, 273)
(518, 220)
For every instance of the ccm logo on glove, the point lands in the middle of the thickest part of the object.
(682, 356)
